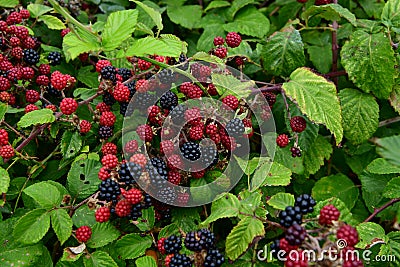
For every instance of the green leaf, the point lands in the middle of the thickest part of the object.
(82, 180)
(391, 14)
(62, 224)
(146, 222)
(203, 56)
(314, 158)
(3, 110)
(4, 180)
(71, 143)
(339, 186)
(17, 256)
(321, 57)
(84, 216)
(8, 3)
(373, 186)
(329, 12)
(249, 21)
(150, 45)
(316, 97)
(392, 189)
(32, 227)
(186, 219)
(205, 41)
(72, 254)
(171, 229)
(132, 246)
(74, 45)
(153, 14)
(102, 234)
(99, 258)
(45, 194)
(119, 27)
(238, 5)
(35, 117)
(217, 4)
(239, 239)
(225, 207)
(381, 166)
(146, 261)
(269, 174)
(388, 148)
(370, 63)
(395, 98)
(283, 53)
(187, 16)
(88, 77)
(37, 10)
(52, 22)
(370, 233)
(360, 115)
(281, 200)
(228, 84)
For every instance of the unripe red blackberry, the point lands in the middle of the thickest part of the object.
(299, 260)
(196, 132)
(239, 61)
(123, 208)
(102, 214)
(121, 92)
(328, 214)
(198, 174)
(25, 14)
(32, 96)
(322, 2)
(285, 246)
(68, 106)
(220, 52)
(142, 86)
(104, 173)
(231, 101)
(353, 263)
(84, 126)
(131, 146)
(110, 161)
(4, 84)
(298, 124)
(17, 52)
(194, 92)
(219, 41)
(174, 162)
(7, 152)
(30, 107)
(3, 137)
(349, 234)
(134, 195)
(167, 147)
(160, 245)
(102, 107)
(233, 39)
(109, 148)
(83, 233)
(143, 64)
(27, 73)
(302, 1)
(174, 177)
(58, 80)
(42, 80)
(107, 118)
(212, 90)
(139, 159)
(4, 97)
(145, 132)
(65, 32)
(101, 64)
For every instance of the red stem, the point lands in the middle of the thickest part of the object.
(378, 210)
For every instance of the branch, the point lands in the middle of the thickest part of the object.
(335, 48)
(389, 121)
(378, 210)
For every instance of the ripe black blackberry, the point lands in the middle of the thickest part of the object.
(109, 190)
(54, 58)
(295, 234)
(31, 57)
(131, 86)
(108, 99)
(128, 172)
(53, 92)
(173, 244)
(191, 151)
(192, 241)
(125, 73)
(275, 247)
(178, 114)
(136, 212)
(108, 73)
(209, 156)
(144, 100)
(182, 59)
(166, 76)
(296, 152)
(290, 216)
(169, 100)
(160, 166)
(167, 194)
(147, 201)
(306, 203)
(207, 238)
(180, 260)
(214, 258)
(105, 132)
(235, 127)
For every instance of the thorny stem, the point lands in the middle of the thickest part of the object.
(13, 129)
(380, 209)
(286, 105)
(389, 121)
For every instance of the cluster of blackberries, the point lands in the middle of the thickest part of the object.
(202, 242)
(294, 214)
